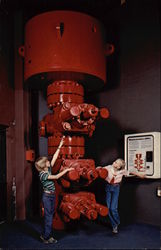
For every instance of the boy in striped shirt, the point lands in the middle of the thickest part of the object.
(43, 165)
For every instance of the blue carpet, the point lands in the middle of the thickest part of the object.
(89, 235)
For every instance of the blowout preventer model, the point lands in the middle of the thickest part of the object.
(67, 52)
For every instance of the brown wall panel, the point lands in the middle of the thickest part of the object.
(6, 71)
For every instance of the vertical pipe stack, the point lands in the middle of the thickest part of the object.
(67, 51)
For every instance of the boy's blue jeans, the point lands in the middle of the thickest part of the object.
(112, 196)
(48, 201)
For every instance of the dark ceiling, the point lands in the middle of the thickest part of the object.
(100, 9)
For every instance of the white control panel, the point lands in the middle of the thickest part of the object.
(142, 153)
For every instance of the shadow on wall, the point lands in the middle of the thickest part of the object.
(107, 142)
(128, 201)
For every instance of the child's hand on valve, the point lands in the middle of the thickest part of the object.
(69, 169)
(62, 141)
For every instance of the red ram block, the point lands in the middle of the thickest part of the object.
(84, 171)
(85, 168)
(81, 203)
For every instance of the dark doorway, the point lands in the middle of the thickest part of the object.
(3, 179)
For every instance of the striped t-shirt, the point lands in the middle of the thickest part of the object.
(48, 185)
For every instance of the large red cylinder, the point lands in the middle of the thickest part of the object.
(66, 45)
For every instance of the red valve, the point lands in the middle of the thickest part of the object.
(91, 214)
(65, 183)
(102, 210)
(104, 113)
(73, 175)
(69, 210)
(90, 174)
(102, 172)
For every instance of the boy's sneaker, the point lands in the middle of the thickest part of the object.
(49, 241)
(52, 240)
(115, 230)
(44, 240)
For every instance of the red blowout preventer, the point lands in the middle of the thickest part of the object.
(67, 51)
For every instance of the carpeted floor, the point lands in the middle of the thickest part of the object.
(88, 235)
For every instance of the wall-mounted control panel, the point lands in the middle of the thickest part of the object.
(142, 153)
